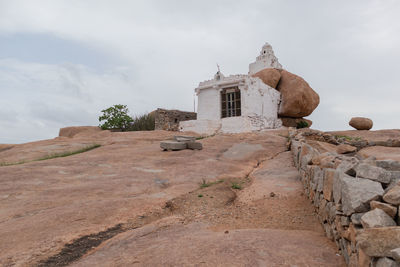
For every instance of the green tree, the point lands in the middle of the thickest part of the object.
(116, 117)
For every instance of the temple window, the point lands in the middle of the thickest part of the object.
(230, 102)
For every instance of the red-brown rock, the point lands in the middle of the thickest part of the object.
(74, 130)
(361, 123)
(269, 76)
(298, 98)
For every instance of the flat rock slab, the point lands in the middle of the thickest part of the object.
(47, 204)
(195, 245)
(381, 152)
(242, 150)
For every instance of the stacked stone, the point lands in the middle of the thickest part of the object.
(168, 120)
(357, 201)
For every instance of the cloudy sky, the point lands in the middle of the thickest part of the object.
(62, 61)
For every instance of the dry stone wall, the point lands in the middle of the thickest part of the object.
(169, 119)
(356, 200)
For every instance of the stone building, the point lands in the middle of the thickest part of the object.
(169, 119)
(237, 103)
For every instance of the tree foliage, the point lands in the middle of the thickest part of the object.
(116, 117)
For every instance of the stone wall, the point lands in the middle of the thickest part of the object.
(169, 119)
(356, 200)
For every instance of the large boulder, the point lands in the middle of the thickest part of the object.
(360, 123)
(269, 76)
(298, 98)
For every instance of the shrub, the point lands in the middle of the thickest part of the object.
(302, 124)
(116, 117)
(143, 122)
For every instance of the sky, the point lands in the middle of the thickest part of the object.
(63, 61)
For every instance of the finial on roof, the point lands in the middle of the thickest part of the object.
(219, 74)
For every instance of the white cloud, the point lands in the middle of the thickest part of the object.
(347, 51)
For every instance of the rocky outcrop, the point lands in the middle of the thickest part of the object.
(361, 123)
(298, 98)
(269, 76)
(74, 130)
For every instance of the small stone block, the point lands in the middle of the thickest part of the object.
(172, 145)
(194, 145)
(180, 138)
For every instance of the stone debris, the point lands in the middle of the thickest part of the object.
(181, 143)
(376, 218)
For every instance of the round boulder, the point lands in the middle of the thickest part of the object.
(269, 76)
(298, 98)
(361, 123)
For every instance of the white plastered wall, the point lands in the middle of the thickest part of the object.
(259, 107)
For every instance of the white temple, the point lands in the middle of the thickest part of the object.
(237, 103)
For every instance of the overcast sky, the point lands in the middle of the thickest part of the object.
(62, 61)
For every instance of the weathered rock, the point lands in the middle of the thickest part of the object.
(356, 218)
(324, 160)
(347, 166)
(373, 173)
(376, 218)
(173, 145)
(298, 98)
(357, 193)
(363, 259)
(390, 165)
(269, 76)
(386, 262)
(344, 149)
(389, 209)
(378, 242)
(296, 122)
(194, 145)
(181, 138)
(306, 155)
(361, 123)
(329, 176)
(395, 254)
(74, 130)
(393, 195)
